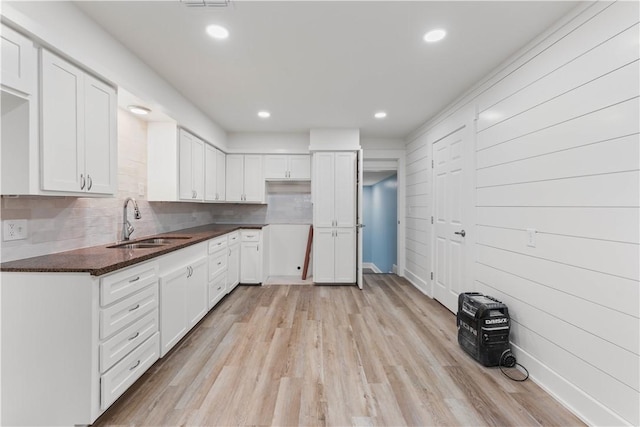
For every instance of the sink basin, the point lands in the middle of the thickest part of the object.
(154, 242)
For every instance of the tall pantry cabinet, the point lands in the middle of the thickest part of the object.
(334, 217)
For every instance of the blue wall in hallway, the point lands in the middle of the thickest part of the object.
(380, 214)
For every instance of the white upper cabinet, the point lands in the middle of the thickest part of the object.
(245, 182)
(214, 172)
(191, 166)
(78, 128)
(19, 59)
(287, 167)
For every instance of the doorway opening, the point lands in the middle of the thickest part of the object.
(380, 218)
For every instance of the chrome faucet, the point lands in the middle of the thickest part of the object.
(127, 228)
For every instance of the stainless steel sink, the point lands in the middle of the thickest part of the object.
(154, 242)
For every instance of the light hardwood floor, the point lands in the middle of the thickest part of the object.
(329, 355)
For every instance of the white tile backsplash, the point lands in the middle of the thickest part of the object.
(63, 223)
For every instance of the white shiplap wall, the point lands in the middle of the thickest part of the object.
(557, 150)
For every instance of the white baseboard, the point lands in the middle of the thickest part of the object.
(394, 269)
(575, 400)
(417, 282)
(372, 266)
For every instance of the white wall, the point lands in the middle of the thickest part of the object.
(252, 142)
(557, 150)
(64, 27)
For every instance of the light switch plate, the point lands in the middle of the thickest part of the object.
(531, 237)
(14, 229)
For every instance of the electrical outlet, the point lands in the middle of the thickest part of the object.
(14, 229)
(531, 237)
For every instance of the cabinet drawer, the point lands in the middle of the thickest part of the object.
(128, 370)
(126, 282)
(125, 312)
(121, 344)
(217, 289)
(250, 235)
(233, 238)
(217, 244)
(217, 264)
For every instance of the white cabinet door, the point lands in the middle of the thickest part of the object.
(253, 179)
(323, 255)
(250, 263)
(191, 165)
(275, 167)
(323, 190)
(210, 173)
(197, 169)
(18, 61)
(196, 290)
(221, 170)
(345, 255)
(62, 121)
(100, 139)
(235, 177)
(345, 189)
(173, 304)
(233, 267)
(300, 167)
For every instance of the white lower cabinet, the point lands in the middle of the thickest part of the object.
(251, 256)
(217, 288)
(334, 255)
(233, 267)
(183, 293)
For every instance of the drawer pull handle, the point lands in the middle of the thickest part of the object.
(220, 244)
(250, 236)
(137, 306)
(135, 366)
(220, 263)
(134, 336)
(219, 288)
(134, 280)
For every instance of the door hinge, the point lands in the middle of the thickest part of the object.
(431, 220)
(431, 163)
(432, 275)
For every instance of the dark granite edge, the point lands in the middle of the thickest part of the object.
(45, 263)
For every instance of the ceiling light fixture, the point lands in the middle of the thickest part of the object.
(139, 110)
(264, 114)
(380, 115)
(218, 32)
(435, 35)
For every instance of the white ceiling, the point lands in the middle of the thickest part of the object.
(326, 63)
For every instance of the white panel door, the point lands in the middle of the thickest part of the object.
(235, 177)
(323, 190)
(221, 171)
(185, 143)
(449, 248)
(197, 292)
(275, 167)
(345, 189)
(345, 255)
(100, 139)
(323, 255)
(253, 179)
(62, 125)
(300, 167)
(210, 173)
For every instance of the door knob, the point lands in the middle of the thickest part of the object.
(461, 233)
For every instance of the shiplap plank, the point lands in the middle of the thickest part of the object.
(601, 27)
(601, 125)
(416, 166)
(418, 153)
(415, 189)
(610, 55)
(421, 176)
(620, 154)
(418, 212)
(612, 88)
(616, 189)
(418, 200)
(620, 259)
(417, 224)
(581, 317)
(609, 291)
(599, 385)
(617, 224)
(418, 247)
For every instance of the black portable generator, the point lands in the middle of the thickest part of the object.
(483, 329)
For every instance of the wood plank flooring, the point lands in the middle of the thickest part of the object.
(329, 356)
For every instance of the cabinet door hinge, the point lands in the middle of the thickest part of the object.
(431, 220)
(432, 275)
(432, 164)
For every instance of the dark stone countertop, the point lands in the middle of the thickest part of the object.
(99, 260)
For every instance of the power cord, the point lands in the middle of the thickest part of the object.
(508, 360)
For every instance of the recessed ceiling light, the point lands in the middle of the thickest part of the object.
(137, 109)
(380, 115)
(434, 35)
(264, 114)
(217, 32)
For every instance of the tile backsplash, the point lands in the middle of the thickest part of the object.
(58, 224)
